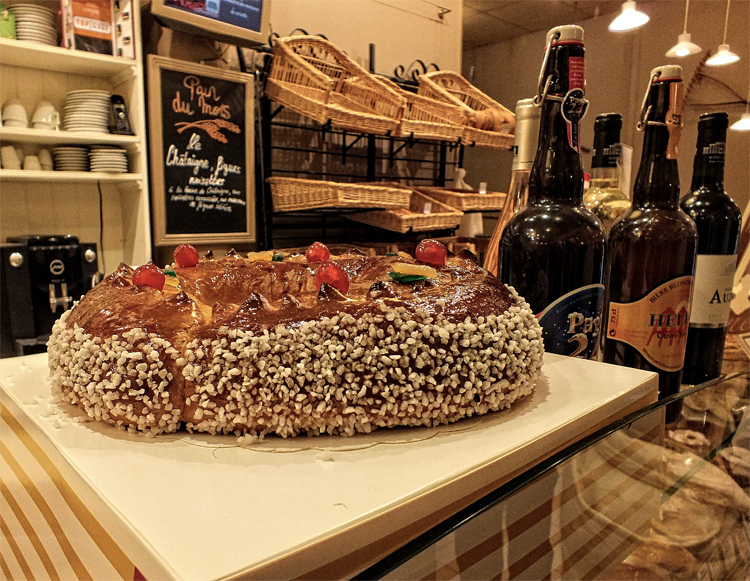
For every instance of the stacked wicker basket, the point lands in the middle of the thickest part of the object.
(315, 78)
(422, 214)
(488, 123)
(466, 200)
(291, 194)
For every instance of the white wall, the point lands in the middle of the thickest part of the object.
(617, 72)
(402, 30)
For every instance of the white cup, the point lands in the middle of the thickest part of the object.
(45, 159)
(10, 157)
(14, 114)
(45, 116)
(31, 162)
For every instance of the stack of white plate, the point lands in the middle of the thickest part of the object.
(108, 159)
(87, 110)
(35, 23)
(71, 158)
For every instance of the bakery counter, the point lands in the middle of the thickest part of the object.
(82, 499)
(636, 500)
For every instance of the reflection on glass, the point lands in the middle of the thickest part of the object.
(644, 501)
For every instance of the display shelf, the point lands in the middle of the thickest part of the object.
(69, 176)
(49, 137)
(33, 73)
(32, 55)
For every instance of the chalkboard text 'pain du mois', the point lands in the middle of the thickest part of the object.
(204, 98)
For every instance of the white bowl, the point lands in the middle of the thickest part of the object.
(13, 110)
(15, 123)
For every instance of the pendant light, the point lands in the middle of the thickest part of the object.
(684, 46)
(629, 18)
(743, 123)
(723, 56)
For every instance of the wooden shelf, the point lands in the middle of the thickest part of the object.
(32, 55)
(48, 137)
(20, 175)
(32, 72)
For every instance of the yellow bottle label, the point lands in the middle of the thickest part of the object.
(656, 324)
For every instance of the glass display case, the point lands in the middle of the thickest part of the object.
(637, 499)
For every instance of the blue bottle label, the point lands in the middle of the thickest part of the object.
(571, 325)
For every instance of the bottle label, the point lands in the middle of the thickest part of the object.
(606, 156)
(571, 324)
(714, 153)
(573, 109)
(674, 119)
(657, 324)
(712, 295)
(576, 73)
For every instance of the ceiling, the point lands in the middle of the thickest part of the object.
(492, 21)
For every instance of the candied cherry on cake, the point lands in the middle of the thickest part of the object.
(431, 252)
(186, 255)
(150, 275)
(333, 274)
(317, 252)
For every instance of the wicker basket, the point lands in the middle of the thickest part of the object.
(466, 200)
(291, 194)
(439, 216)
(427, 118)
(452, 88)
(455, 244)
(315, 78)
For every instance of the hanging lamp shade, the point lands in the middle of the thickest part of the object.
(629, 18)
(742, 124)
(723, 56)
(684, 47)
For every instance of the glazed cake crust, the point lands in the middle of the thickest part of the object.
(252, 347)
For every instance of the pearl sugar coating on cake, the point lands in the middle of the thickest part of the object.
(253, 348)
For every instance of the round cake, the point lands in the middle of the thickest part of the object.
(296, 342)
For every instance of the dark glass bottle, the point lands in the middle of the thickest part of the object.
(718, 221)
(651, 251)
(552, 252)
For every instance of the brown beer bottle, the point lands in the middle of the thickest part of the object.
(651, 252)
(552, 252)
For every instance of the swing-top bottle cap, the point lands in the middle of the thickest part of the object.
(565, 33)
(666, 73)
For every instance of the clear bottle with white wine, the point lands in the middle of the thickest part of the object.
(524, 151)
(605, 198)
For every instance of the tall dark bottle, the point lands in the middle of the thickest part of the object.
(552, 252)
(718, 221)
(651, 252)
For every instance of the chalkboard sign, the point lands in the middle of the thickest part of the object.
(201, 141)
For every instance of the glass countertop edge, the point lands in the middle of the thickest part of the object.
(454, 522)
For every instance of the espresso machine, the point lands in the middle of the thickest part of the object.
(40, 278)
